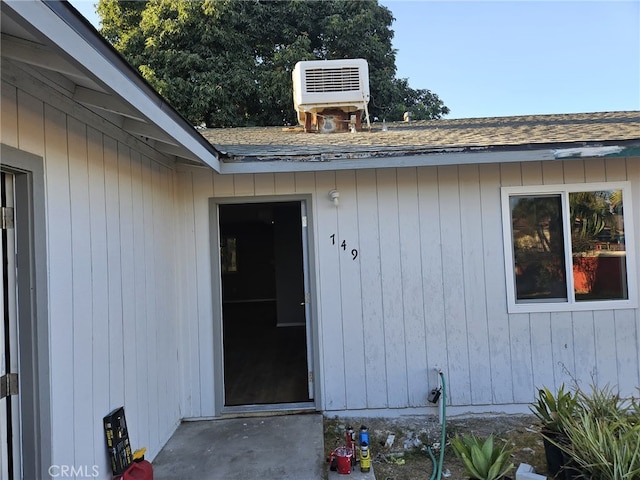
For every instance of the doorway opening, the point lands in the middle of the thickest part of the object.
(25, 445)
(10, 418)
(265, 310)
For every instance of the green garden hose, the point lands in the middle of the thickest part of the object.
(437, 466)
(443, 441)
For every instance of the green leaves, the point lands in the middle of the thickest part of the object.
(482, 459)
(229, 62)
(606, 448)
(601, 430)
(554, 410)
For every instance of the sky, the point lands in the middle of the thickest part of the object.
(514, 57)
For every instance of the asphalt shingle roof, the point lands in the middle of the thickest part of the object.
(419, 137)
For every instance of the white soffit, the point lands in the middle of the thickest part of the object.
(114, 79)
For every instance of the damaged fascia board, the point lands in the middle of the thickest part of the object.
(582, 152)
(336, 156)
(413, 160)
(278, 162)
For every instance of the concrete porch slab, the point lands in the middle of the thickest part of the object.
(285, 447)
(355, 474)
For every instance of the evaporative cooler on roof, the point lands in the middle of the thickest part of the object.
(331, 95)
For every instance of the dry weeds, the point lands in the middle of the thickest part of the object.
(407, 458)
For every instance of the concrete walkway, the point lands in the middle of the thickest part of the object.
(285, 447)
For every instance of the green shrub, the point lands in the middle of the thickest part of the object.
(605, 403)
(604, 448)
(598, 430)
(554, 410)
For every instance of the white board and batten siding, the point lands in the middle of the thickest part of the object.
(113, 305)
(426, 289)
(408, 272)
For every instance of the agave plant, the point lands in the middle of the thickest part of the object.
(484, 460)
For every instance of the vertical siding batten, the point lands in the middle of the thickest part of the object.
(627, 353)
(187, 288)
(139, 328)
(81, 290)
(392, 306)
(473, 261)
(412, 287)
(60, 277)
(99, 286)
(303, 183)
(453, 286)
(353, 323)
(114, 291)
(585, 347)
(371, 281)
(562, 346)
(606, 360)
(333, 354)
(432, 273)
(127, 286)
(168, 370)
(583, 353)
(204, 187)
(553, 173)
(286, 182)
(264, 184)
(539, 348)
(518, 326)
(223, 185)
(521, 367)
(495, 287)
(541, 351)
(243, 185)
(594, 170)
(154, 217)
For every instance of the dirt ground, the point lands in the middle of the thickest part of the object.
(407, 457)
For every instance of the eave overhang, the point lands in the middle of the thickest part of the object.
(81, 53)
(425, 156)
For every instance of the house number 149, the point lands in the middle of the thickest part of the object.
(354, 252)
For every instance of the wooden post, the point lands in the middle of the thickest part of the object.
(307, 122)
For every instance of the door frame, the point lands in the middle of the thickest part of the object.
(216, 283)
(33, 318)
(10, 435)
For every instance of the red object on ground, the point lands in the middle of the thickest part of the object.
(141, 470)
(341, 459)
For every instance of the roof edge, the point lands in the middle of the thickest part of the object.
(95, 56)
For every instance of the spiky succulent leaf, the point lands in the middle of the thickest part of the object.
(479, 460)
(487, 447)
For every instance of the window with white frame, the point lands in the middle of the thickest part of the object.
(569, 247)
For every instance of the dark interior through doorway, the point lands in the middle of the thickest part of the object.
(263, 314)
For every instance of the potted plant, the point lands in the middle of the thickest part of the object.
(553, 412)
(484, 460)
(604, 437)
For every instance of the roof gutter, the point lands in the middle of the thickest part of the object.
(73, 35)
